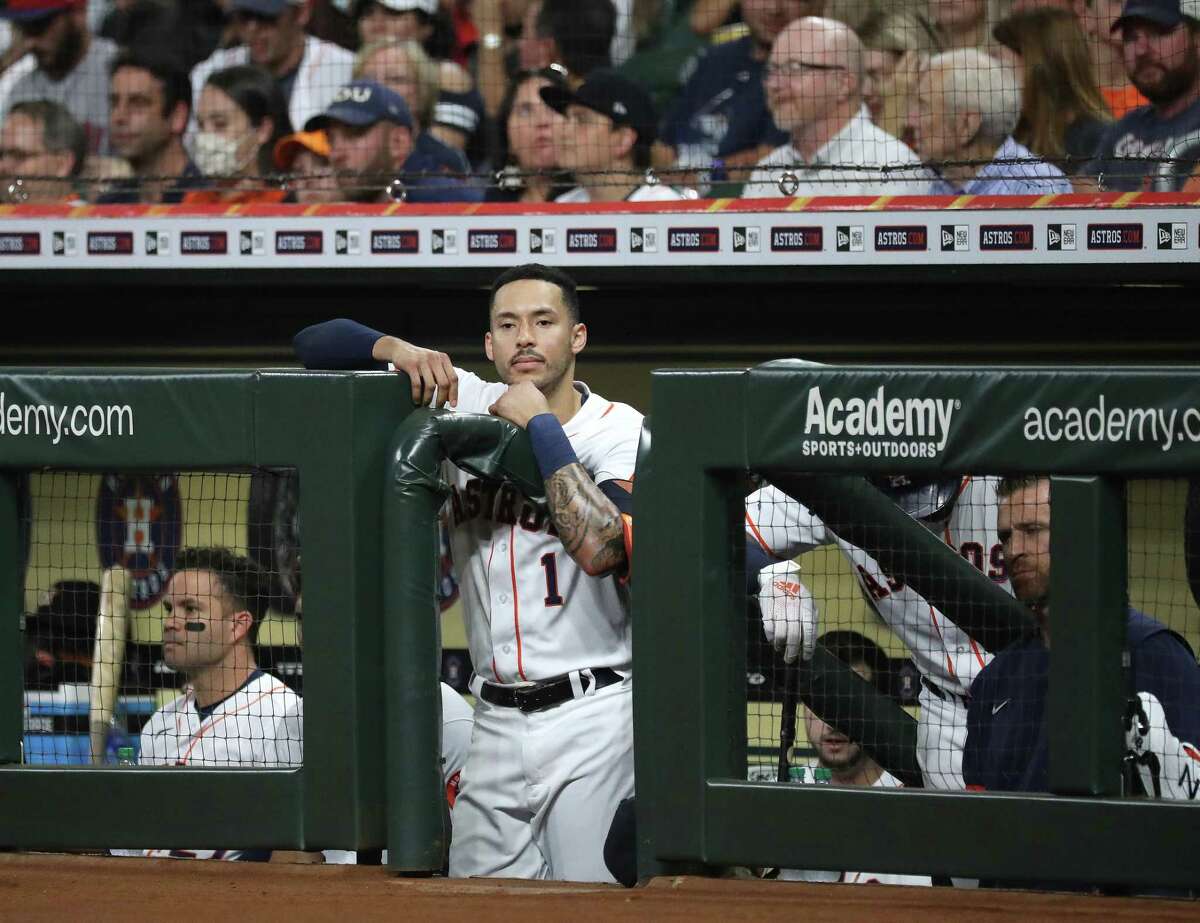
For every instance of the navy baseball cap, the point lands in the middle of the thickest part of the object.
(1165, 13)
(272, 8)
(611, 94)
(919, 497)
(30, 10)
(362, 103)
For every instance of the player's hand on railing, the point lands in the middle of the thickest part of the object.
(789, 613)
(431, 372)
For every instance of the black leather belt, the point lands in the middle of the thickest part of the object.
(548, 692)
(943, 694)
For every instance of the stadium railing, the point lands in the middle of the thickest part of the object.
(333, 430)
(695, 807)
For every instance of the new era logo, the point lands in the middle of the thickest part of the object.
(643, 240)
(850, 239)
(1060, 237)
(747, 240)
(542, 240)
(1172, 236)
(955, 238)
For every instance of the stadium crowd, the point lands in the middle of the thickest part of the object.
(162, 101)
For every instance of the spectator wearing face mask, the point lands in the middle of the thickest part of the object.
(241, 116)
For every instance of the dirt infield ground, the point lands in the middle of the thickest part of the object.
(54, 887)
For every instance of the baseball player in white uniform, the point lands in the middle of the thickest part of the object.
(544, 596)
(947, 658)
(231, 713)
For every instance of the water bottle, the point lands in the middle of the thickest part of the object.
(118, 739)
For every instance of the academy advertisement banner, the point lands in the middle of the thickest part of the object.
(1090, 421)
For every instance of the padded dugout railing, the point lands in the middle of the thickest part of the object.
(694, 805)
(334, 430)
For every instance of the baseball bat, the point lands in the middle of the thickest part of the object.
(787, 719)
(112, 628)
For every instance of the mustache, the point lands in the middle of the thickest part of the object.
(526, 354)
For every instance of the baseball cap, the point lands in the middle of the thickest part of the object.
(921, 498)
(609, 93)
(287, 147)
(29, 10)
(1165, 13)
(272, 8)
(362, 103)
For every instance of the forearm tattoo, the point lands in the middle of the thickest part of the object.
(588, 523)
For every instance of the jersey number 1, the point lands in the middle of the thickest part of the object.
(551, 568)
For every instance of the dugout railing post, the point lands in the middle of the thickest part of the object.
(689, 597)
(413, 493)
(333, 429)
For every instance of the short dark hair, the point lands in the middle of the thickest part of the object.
(247, 584)
(165, 68)
(60, 131)
(850, 648)
(258, 95)
(549, 274)
(1010, 485)
(583, 31)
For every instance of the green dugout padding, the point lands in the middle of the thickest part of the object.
(414, 490)
(819, 429)
(334, 429)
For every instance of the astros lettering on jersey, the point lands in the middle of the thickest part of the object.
(531, 611)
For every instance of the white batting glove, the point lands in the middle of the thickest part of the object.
(1169, 767)
(789, 614)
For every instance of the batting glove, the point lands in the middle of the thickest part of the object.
(1169, 767)
(789, 614)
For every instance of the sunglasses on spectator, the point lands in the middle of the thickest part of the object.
(32, 28)
(794, 67)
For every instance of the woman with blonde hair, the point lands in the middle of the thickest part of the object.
(896, 46)
(1062, 111)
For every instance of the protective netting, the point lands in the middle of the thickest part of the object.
(162, 622)
(949, 702)
(581, 100)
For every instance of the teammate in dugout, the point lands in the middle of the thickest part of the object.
(964, 513)
(1006, 746)
(545, 600)
(231, 713)
(845, 761)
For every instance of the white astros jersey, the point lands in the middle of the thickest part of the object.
(260, 725)
(941, 651)
(531, 613)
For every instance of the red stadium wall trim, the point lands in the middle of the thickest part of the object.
(689, 206)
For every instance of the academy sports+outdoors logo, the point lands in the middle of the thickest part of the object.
(893, 427)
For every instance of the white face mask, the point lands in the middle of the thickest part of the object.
(217, 155)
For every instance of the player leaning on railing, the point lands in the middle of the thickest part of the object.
(544, 598)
